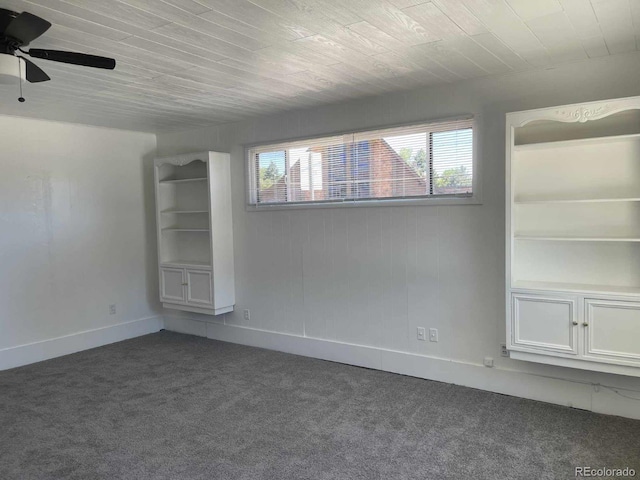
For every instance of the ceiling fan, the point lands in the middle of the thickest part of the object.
(17, 30)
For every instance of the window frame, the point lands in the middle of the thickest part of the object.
(475, 198)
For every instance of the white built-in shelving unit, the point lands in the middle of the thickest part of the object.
(573, 235)
(195, 239)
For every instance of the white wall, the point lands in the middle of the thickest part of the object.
(370, 276)
(75, 237)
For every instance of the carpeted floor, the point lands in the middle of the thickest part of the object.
(171, 406)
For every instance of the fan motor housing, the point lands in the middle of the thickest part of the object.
(7, 44)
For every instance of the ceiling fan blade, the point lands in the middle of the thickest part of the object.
(73, 58)
(26, 28)
(34, 73)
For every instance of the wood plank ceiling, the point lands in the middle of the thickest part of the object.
(184, 63)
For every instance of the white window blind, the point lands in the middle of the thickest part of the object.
(418, 161)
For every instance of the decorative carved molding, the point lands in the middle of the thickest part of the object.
(584, 114)
(576, 113)
(180, 160)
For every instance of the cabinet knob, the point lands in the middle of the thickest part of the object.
(585, 324)
(575, 322)
(185, 284)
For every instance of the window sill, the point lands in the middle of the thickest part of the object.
(402, 202)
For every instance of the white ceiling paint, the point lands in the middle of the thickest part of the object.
(188, 63)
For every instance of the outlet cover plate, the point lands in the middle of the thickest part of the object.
(433, 334)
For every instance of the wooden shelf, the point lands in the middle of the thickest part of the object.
(577, 141)
(184, 180)
(562, 238)
(186, 230)
(576, 287)
(186, 264)
(181, 212)
(575, 200)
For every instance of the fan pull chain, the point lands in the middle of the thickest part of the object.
(21, 99)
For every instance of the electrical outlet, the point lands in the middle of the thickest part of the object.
(112, 309)
(433, 334)
(422, 336)
(503, 350)
(247, 314)
(488, 362)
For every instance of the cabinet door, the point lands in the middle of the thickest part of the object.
(545, 324)
(612, 330)
(199, 288)
(172, 283)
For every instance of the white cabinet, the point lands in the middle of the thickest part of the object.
(199, 287)
(172, 285)
(612, 331)
(186, 286)
(544, 323)
(573, 235)
(195, 238)
(576, 331)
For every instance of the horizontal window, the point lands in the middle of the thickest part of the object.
(413, 162)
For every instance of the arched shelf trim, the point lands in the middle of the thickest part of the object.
(182, 160)
(578, 113)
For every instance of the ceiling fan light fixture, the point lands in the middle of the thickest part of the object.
(20, 29)
(12, 69)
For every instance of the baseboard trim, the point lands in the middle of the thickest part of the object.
(508, 382)
(56, 347)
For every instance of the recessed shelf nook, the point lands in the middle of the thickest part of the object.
(195, 240)
(573, 235)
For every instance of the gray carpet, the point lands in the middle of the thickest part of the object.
(180, 407)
